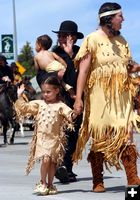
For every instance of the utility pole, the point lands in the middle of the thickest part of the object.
(15, 31)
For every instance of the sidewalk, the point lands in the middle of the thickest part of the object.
(15, 185)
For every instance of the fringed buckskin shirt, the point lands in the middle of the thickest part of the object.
(108, 109)
(49, 137)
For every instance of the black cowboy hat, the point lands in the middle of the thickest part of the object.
(69, 27)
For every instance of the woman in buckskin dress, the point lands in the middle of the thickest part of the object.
(52, 117)
(105, 65)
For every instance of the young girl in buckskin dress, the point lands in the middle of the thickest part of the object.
(52, 117)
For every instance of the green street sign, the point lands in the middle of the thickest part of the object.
(7, 46)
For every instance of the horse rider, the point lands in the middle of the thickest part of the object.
(6, 74)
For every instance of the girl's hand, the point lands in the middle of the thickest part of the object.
(74, 115)
(20, 90)
(72, 93)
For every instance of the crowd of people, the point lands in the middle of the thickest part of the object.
(87, 93)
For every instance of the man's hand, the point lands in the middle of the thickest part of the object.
(68, 46)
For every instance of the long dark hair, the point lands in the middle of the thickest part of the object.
(106, 20)
(53, 80)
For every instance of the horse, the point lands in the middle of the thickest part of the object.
(8, 95)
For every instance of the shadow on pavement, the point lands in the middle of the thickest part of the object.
(18, 143)
(116, 189)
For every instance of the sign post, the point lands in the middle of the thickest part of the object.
(7, 46)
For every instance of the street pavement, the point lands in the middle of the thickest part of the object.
(14, 184)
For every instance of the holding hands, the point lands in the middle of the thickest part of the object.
(78, 106)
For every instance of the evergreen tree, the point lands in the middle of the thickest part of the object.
(25, 58)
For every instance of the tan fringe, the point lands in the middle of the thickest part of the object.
(19, 115)
(110, 141)
(31, 160)
(84, 134)
(115, 82)
(136, 119)
(58, 160)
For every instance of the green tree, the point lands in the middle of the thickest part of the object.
(26, 59)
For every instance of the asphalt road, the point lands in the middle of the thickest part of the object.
(15, 185)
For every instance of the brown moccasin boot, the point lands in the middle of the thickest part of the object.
(96, 160)
(129, 159)
(99, 188)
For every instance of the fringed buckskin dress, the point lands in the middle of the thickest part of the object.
(50, 122)
(108, 109)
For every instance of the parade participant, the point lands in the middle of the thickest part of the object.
(8, 95)
(52, 117)
(67, 49)
(104, 75)
(6, 74)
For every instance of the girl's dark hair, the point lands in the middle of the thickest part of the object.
(45, 41)
(53, 80)
(106, 20)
